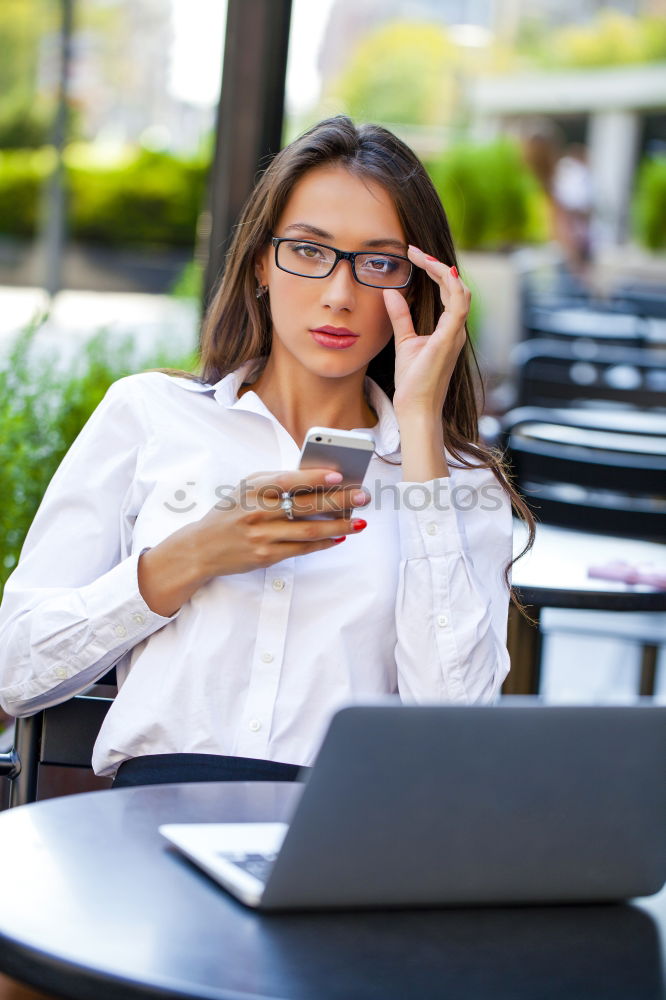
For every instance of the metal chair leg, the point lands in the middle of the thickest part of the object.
(648, 669)
(26, 746)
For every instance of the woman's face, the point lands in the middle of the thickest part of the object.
(333, 206)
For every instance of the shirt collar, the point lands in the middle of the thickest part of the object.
(385, 432)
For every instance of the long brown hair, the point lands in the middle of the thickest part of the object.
(238, 327)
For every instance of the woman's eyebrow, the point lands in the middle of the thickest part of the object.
(315, 231)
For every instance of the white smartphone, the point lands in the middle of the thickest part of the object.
(348, 452)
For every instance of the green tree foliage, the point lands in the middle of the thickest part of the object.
(23, 23)
(491, 199)
(649, 207)
(610, 39)
(400, 73)
(25, 114)
(29, 54)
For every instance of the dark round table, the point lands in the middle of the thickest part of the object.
(95, 904)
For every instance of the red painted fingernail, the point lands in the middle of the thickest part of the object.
(358, 524)
(338, 540)
(454, 271)
(430, 257)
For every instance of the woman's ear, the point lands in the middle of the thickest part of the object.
(260, 267)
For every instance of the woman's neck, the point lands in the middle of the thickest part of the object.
(302, 399)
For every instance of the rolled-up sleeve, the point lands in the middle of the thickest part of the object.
(452, 599)
(72, 607)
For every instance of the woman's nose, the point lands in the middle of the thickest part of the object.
(339, 291)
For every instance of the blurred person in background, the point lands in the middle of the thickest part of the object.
(564, 176)
(572, 201)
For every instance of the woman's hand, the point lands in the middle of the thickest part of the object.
(249, 530)
(424, 364)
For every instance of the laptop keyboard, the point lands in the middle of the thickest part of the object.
(258, 865)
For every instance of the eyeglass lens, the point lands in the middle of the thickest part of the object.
(313, 261)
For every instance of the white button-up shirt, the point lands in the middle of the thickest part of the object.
(255, 663)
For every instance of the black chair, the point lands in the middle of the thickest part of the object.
(642, 299)
(585, 374)
(572, 323)
(548, 284)
(593, 478)
(61, 736)
(649, 423)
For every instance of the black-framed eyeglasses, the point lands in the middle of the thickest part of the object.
(317, 260)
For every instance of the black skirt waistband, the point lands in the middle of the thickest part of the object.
(164, 768)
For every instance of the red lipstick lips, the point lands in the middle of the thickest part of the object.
(338, 331)
(336, 337)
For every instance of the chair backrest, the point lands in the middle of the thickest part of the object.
(591, 478)
(573, 323)
(63, 735)
(552, 373)
(642, 299)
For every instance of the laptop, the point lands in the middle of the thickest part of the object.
(433, 805)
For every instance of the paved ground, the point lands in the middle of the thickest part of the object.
(73, 317)
(592, 669)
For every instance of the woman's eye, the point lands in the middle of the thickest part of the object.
(307, 250)
(382, 264)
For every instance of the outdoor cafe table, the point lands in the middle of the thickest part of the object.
(554, 574)
(95, 904)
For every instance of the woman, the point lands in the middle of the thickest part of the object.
(235, 629)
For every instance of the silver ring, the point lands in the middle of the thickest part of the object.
(287, 504)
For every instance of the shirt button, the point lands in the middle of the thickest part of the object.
(278, 584)
(255, 725)
(267, 657)
(138, 618)
(442, 621)
(61, 672)
(431, 528)
(120, 630)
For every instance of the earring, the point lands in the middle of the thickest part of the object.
(261, 290)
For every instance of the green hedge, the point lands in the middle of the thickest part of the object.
(490, 196)
(23, 173)
(155, 199)
(26, 122)
(41, 413)
(649, 205)
(491, 199)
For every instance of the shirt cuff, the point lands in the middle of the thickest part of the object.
(427, 519)
(117, 619)
(118, 613)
